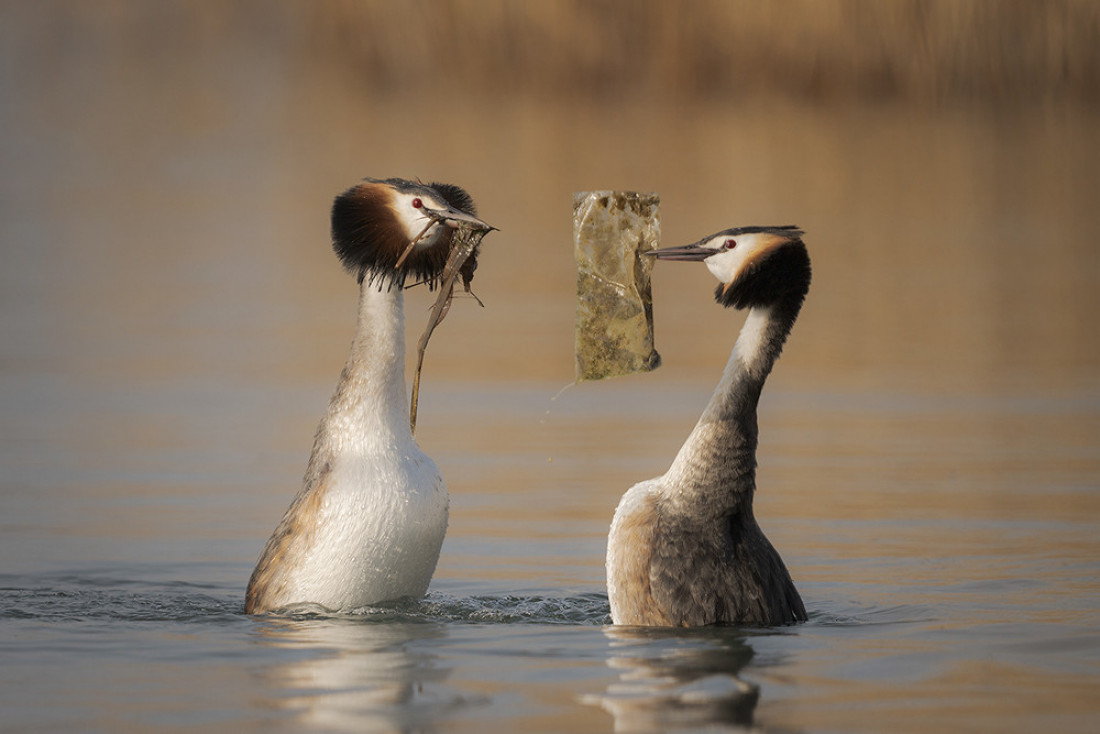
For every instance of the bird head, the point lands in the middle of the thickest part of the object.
(389, 229)
(755, 266)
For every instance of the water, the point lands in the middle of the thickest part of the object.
(960, 592)
(172, 323)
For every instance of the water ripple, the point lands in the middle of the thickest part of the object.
(84, 599)
(583, 609)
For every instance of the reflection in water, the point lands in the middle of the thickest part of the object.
(359, 675)
(678, 678)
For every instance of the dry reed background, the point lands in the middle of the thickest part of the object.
(915, 51)
(985, 52)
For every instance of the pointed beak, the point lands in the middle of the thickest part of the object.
(451, 217)
(684, 253)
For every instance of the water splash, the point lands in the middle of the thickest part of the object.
(582, 609)
(83, 598)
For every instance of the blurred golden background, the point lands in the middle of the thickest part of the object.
(170, 167)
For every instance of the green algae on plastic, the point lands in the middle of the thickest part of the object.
(614, 324)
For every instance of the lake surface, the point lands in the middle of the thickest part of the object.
(949, 569)
(172, 322)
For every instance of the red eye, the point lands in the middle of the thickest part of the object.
(417, 203)
(730, 244)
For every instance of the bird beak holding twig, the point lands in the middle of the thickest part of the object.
(448, 216)
(471, 231)
(452, 217)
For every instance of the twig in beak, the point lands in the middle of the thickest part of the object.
(412, 244)
(464, 243)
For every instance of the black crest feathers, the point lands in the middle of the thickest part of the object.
(780, 276)
(369, 239)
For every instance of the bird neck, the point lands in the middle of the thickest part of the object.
(715, 470)
(370, 408)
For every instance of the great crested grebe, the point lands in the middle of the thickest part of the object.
(369, 521)
(685, 548)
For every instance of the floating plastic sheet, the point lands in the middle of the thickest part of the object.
(614, 327)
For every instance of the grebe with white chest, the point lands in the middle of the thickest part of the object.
(685, 549)
(369, 521)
